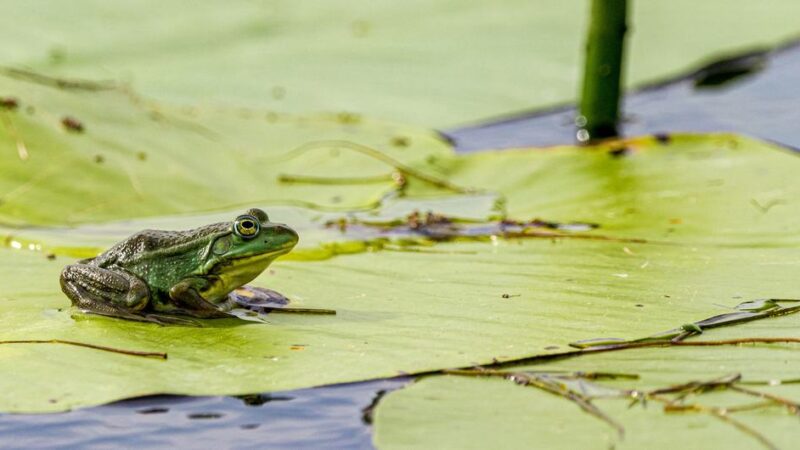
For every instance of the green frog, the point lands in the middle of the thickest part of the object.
(157, 276)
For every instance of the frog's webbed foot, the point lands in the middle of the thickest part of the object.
(165, 319)
(158, 319)
(256, 299)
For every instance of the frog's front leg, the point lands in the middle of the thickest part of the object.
(109, 292)
(186, 297)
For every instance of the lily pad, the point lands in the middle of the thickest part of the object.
(461, 412)
(133, 158)
(678, 236)
(434, 63)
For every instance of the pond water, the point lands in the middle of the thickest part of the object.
(762, 102)
(332, 416)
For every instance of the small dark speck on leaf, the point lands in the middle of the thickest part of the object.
(51, 256)
(9, 103)
(142, 156)
(510, 295)
(348, 118)
(667, 296)
(662, 138)
(551, 347)
(155, 410)
(336, 199)
(401, 141)
(52, 400)
(57, 55)
(99, 159)
(639, 305)
(72, 124)
(619, 152)
(278, 92)
(209, 415)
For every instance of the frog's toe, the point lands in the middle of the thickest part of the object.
(164, 320)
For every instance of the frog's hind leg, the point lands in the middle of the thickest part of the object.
(114, 293)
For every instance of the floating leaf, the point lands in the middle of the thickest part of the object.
(456, 304)
(434, 63)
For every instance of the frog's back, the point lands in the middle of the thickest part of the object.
(154, 245)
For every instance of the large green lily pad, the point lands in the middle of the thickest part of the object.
(435, 63)
(458, 412)
(135, 158)
(716, 212)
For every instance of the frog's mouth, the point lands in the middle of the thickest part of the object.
(258, 259)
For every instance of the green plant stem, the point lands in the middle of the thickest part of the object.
(600, 97)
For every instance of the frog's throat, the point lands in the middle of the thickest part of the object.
(236, 272)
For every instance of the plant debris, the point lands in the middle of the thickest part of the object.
(157, 355)
(72, 124)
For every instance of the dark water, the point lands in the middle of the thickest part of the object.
(758, 95)
(328, 417)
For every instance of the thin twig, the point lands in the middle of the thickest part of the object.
(634, 345)
(752, 406)
(719, 413)
(793, 407)
(158, 355)
(536, 381)
(279, 309)
(743, 428)
(703, 386)
(375, 154)
(62, 83)
(303, 179)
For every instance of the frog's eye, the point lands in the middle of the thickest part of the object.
(246, 226)
(258, 214)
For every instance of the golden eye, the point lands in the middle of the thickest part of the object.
(246, 226)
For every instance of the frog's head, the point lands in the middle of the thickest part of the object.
(249, 246)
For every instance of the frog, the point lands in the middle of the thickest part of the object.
(175, 277)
